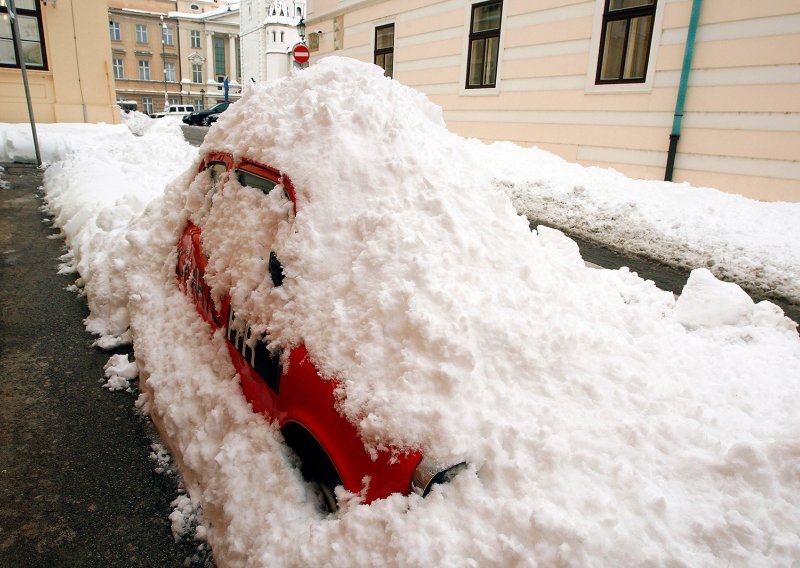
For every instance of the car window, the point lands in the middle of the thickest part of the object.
(217, 169)
(262, 183)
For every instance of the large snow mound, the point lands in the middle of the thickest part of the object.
(604, 422)
(599, 420)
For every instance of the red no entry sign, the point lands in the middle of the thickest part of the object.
(301, 53)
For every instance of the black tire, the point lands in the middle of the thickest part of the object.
(315, 465)
(205, 121)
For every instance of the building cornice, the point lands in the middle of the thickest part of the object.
(348, 7)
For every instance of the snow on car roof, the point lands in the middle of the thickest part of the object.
(600, 417)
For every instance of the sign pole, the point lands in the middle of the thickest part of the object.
(12, 11)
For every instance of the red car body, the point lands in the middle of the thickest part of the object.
(293, 393)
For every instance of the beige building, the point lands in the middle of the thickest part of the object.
(597, 81)
(67, 55)
(174, 52)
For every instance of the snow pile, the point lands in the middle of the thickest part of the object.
(600, 422)
(119, 371)
(603, 422)
(738, 239)
(100, 178)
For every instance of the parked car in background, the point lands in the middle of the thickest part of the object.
(128, 106)
(212, 118)
(202, 117)
(174, 110)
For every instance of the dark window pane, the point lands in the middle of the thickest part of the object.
(612, 50)
(7, 52)
(476, 62)
(33, 53)
(625, 4)
(5, 28)
(384, 37)
(638, 42)
(28, 28)
(485, 18)
(388, 65)
(490, 65)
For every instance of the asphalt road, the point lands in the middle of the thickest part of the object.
(76, 485)
(194, 134)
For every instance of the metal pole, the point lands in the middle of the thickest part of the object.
(12, 10)
(685, 69)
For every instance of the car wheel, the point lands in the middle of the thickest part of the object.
(327, 497)
(315, 465)
(205, 121)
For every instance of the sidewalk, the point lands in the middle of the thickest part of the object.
(76, 485)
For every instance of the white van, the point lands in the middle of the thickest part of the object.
(174, 110)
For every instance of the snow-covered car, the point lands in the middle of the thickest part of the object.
(338, 261)
(174, 110)
(285, 385)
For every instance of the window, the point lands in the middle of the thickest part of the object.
(144, 70)
(198, 104)
(384, 49)
(197, 73)
(194, 37)
(169, 71)
(119, 70)
(625, 41)
(31, 36)
(113, 30)
(219, 56)
(141, 33)
(147, 105)
(173, 101)
(484, 45)
(166, 35)
(281, 37)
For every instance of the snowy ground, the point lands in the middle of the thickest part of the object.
(604, 422)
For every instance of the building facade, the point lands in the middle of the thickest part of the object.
(70, 78)
(174, 52)
(597, 81)
(269, 33)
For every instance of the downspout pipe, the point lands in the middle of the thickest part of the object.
(685, 69)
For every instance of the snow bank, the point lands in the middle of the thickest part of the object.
(600, 422)
(99, 178)
(740, 240)
(603, 422)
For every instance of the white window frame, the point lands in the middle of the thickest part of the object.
(147, 105)
(484, 91)
(141, 33)
(194, 35)
(169, 66)
(594, 54)
(115, 31)
(197, 73)
(167, 36)
(119, 68)
(144, 70)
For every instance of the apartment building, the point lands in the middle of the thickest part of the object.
(598, 81)
(70, 78)
(174, 52)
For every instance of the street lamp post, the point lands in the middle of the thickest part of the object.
(12, 12)
(203, 99)
(164, 60)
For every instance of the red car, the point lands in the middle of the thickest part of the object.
(286, 387)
